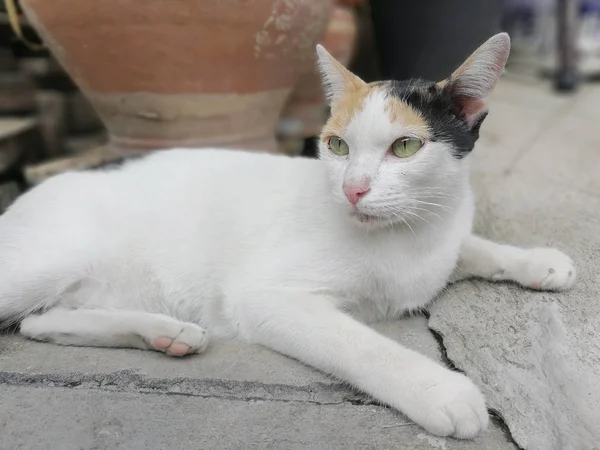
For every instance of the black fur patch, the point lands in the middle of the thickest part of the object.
(441, 112)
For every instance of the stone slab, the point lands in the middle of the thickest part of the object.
(82, 419)
(530, 93)
(518, 114)
(587, 103)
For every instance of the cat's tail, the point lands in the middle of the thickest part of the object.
(28, 285)
(33, 276)
(31, 281)
(23, 296)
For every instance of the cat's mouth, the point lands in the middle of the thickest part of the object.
(364, 218)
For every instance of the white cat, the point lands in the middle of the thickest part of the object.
(294, 254)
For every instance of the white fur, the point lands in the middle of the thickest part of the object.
(536, 268)
(266, 249)
(102, 328)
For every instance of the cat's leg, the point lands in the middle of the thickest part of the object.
(130, 329)
(309, 328)
(535, 268)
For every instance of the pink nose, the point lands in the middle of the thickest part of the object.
(355, 192)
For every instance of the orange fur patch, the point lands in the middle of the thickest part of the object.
(344, 110)
(403, 113)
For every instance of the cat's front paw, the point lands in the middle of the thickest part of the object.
(546, 269)
(177, 338)
(449, 404)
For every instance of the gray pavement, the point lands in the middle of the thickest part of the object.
(535, 355)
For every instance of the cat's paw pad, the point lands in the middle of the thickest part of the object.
(547, 269)
(180, 340)
(451, 405)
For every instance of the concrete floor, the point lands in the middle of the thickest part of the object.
(536, 355)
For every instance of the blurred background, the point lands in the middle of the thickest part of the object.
(88, 84)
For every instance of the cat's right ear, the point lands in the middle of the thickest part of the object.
(471, 84)
(336, 78)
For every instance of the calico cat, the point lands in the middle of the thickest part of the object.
(293, 254)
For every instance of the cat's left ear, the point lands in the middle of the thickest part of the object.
(472, 83)
(336, 78)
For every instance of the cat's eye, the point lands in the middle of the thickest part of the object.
(405, 147)
(338, 146)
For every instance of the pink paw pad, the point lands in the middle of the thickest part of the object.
(167, 345)
(179, 349)
(178, 339)
(162, 343)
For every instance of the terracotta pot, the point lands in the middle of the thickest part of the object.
(305, 111)
(165, 73)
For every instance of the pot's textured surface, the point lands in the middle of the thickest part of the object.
(184, 72)
(305, 110)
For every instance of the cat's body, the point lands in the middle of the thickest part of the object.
(284, 252)
(181, 232)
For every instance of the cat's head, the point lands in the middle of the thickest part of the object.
(395, 150)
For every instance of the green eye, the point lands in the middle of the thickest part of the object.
(405, 147)
(338, 146)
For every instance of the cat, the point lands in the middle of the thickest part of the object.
(294, 254)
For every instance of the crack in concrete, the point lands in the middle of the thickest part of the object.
(132, 381)
(496, 417)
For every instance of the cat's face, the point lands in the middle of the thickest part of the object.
(395, 151)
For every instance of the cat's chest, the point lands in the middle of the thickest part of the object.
(400, 279)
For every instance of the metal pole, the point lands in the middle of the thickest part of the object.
(567, 76)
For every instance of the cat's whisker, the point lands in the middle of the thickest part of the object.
(432, 191)
(438, 205)
(427, 191)
(426, 210)
(390, 215)
(403, 219)
(393, 201)
(420, 217)
(431, 195)
(393, 206)
(389, 218)
(398, 215)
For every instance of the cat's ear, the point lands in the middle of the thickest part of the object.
(476, 78)
(336, 78)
